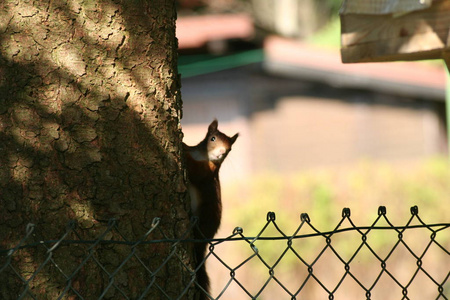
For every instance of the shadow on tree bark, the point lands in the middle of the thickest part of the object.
(89, 127)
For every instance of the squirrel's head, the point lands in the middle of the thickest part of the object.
(218, 143)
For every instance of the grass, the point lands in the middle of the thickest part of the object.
(362, 188)
(323, 194)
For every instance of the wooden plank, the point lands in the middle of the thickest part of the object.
(379, 7)
(446, 58)
(417, 35)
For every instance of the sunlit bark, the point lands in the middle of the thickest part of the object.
(89, 130)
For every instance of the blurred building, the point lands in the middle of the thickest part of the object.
(297, 106)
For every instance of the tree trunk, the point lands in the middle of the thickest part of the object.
(89, 130)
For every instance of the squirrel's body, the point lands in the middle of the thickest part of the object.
(203, 163)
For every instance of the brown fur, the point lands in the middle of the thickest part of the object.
(203, 162)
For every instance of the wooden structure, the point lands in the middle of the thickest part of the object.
(391, 30)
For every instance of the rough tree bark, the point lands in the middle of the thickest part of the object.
(89, 130)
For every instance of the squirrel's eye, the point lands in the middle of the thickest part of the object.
(213, 139)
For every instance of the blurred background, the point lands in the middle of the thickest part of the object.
(315, 135)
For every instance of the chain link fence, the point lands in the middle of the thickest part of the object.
(379, 261)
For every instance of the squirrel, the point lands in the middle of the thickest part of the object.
(203, 162)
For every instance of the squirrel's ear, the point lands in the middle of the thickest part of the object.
(233, 138)
(213, 126)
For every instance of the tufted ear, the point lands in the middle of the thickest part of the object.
(213, 126)
(233, 138)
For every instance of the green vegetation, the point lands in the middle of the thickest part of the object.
(363, 187)
(329, 36)
(322, 194)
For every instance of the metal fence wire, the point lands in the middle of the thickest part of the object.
(383, 261)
